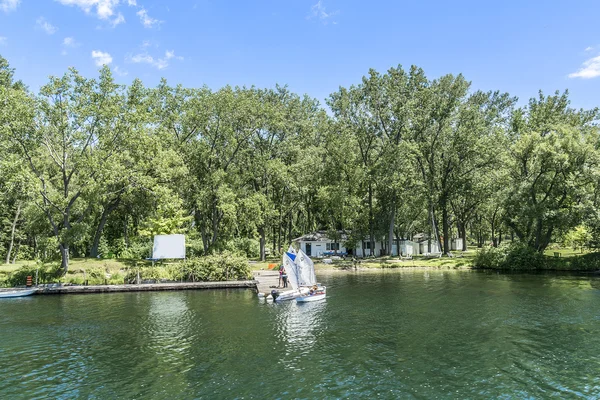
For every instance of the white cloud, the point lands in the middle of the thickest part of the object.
(131, 3)
(70, 42)
(101, 58)
(46, 26)
(119, 71)
(160, 63)
(590, 69)
(118, 20)
(103, 9)
(157, 62)
(319, 11)
(3, 40)
(589, 48)
(147, 21)
(9, 5)
(171, 54)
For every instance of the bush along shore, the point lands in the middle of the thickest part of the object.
(228, 266)
(518, 257)
(213, 268)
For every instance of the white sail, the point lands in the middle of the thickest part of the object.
(306, 267)
(291, 250)
(291, 270)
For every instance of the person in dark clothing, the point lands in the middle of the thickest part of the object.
(284, 278)
(280, 275)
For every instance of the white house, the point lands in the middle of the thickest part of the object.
(318, 244)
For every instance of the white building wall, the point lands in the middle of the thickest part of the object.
(423, 247)
(359, 250)
(317, 249)
(456, 244)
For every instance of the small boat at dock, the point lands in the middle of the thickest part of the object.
(312, 296)
(17, 293)
(301, 276)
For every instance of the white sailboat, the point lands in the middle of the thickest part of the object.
(293, 278)
(308, 279)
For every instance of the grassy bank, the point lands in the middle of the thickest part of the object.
(460, 260)
(119, 271)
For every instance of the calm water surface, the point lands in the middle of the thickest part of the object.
(390, 335)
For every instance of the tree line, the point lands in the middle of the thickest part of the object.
(92, 168)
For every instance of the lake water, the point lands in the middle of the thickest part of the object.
(415, 334)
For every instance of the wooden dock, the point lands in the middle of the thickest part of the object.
(147, 287)
(266, 280)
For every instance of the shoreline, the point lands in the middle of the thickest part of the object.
(144, 287)
(58, 289)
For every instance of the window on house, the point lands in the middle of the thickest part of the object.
(368, 245)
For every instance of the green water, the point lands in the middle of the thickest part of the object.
(378, 335)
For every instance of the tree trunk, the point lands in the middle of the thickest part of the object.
(125, 233)
(263, 240)
(14, 260)
(371, 222)
(12, 232)
(64, 255)
(463, 234)
(391, 231)
(274, 248)
(436, 229)
(112, 205)
(445, 232)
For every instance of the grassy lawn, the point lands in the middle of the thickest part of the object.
(565, 252)
(460, 259)
(93, 269)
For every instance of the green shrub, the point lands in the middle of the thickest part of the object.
(586, 262)
(46, 274)
(249, 248)
(156, 274)
(520, 256)
(515, 256)
(490, 257)
(216, 267)
(193, 247)
(137, 249)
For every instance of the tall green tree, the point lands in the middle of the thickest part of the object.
(553, 164)
(79, 127)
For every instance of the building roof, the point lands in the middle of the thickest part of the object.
(320, 236)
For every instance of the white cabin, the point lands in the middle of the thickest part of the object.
(319, 245)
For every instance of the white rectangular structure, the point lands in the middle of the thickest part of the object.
(168, 246)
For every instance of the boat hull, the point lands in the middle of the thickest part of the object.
(309, 298)
(17, 293)
(291, 294)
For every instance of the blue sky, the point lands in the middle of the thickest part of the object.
(313, 46)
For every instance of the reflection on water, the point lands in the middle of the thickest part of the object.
(299, 325)
(415, 334)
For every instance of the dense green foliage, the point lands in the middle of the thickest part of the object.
(90, 168)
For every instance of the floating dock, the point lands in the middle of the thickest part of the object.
(146, 287)
(266, 280)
